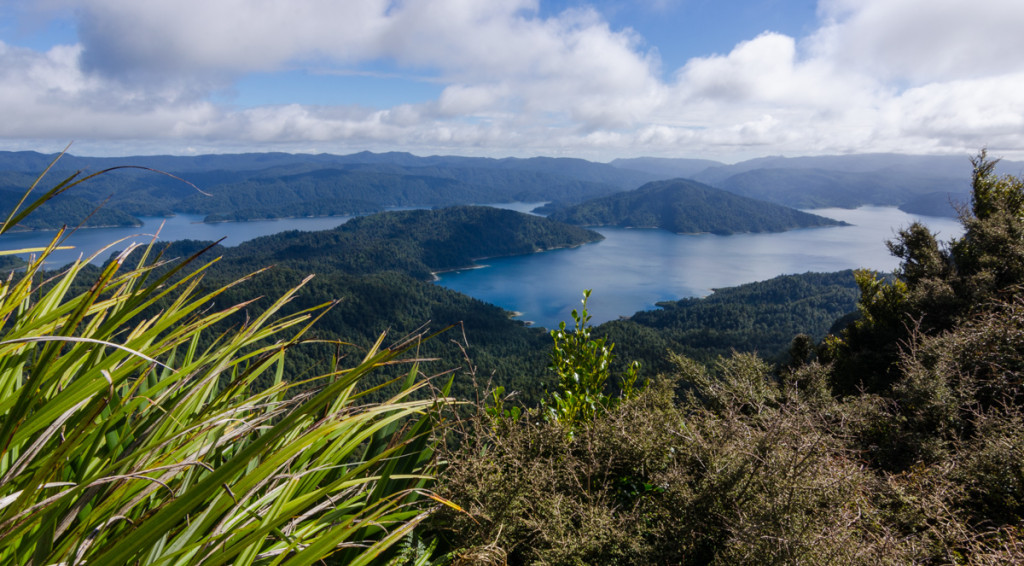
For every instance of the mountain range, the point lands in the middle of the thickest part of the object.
(273, 185)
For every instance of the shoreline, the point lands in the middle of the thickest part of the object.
(434, 274)
(517, 314)
(838, 224)
(349, 216)
(41, 230)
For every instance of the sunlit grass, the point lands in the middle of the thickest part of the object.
(133, 437)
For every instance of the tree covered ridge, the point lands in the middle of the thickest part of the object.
(379, 270)
(761, 317)
(414, 242)
(688, 207)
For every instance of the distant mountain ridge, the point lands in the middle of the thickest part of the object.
(273, 185)
(566, 167)
(249, 186)
(918, 184)
(688, 207)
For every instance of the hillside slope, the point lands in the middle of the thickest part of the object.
(414, 242)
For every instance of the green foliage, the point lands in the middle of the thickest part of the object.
(936, 288)
(881, 302)
(498, 410)
(992, 195)
(583, 367)
(532, 494)
(741, 382)
(760, 476)
(129, 435)
(747, 469)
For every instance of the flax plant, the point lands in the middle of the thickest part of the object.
(131, 431)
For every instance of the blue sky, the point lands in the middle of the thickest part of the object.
(599, 79)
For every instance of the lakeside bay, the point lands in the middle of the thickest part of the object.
(633, 269)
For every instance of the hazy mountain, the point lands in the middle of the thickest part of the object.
(569, 168)
(933, 165)
(667, 168)
(936, 204)
(268, 185)
(816, 188)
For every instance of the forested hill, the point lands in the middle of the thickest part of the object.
(760, 317)
(379, 267)
(414, 242)
(688, 207)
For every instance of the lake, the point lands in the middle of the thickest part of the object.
(632, 269)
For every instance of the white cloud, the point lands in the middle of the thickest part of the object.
(498, 55)
(920, 41)
(124, 37)
(878, 75)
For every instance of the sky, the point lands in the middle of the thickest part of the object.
(718, 79)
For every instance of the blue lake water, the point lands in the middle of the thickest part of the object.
(632, 269)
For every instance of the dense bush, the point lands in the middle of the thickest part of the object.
(759, 475)
(902, 443)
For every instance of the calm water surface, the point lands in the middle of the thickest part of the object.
(629, 271)
(91, 241)
(632, 269)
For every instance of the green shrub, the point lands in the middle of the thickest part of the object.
(583, 366)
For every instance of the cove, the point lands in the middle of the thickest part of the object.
(633, 269)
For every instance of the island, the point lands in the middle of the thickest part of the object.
(419, 243)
